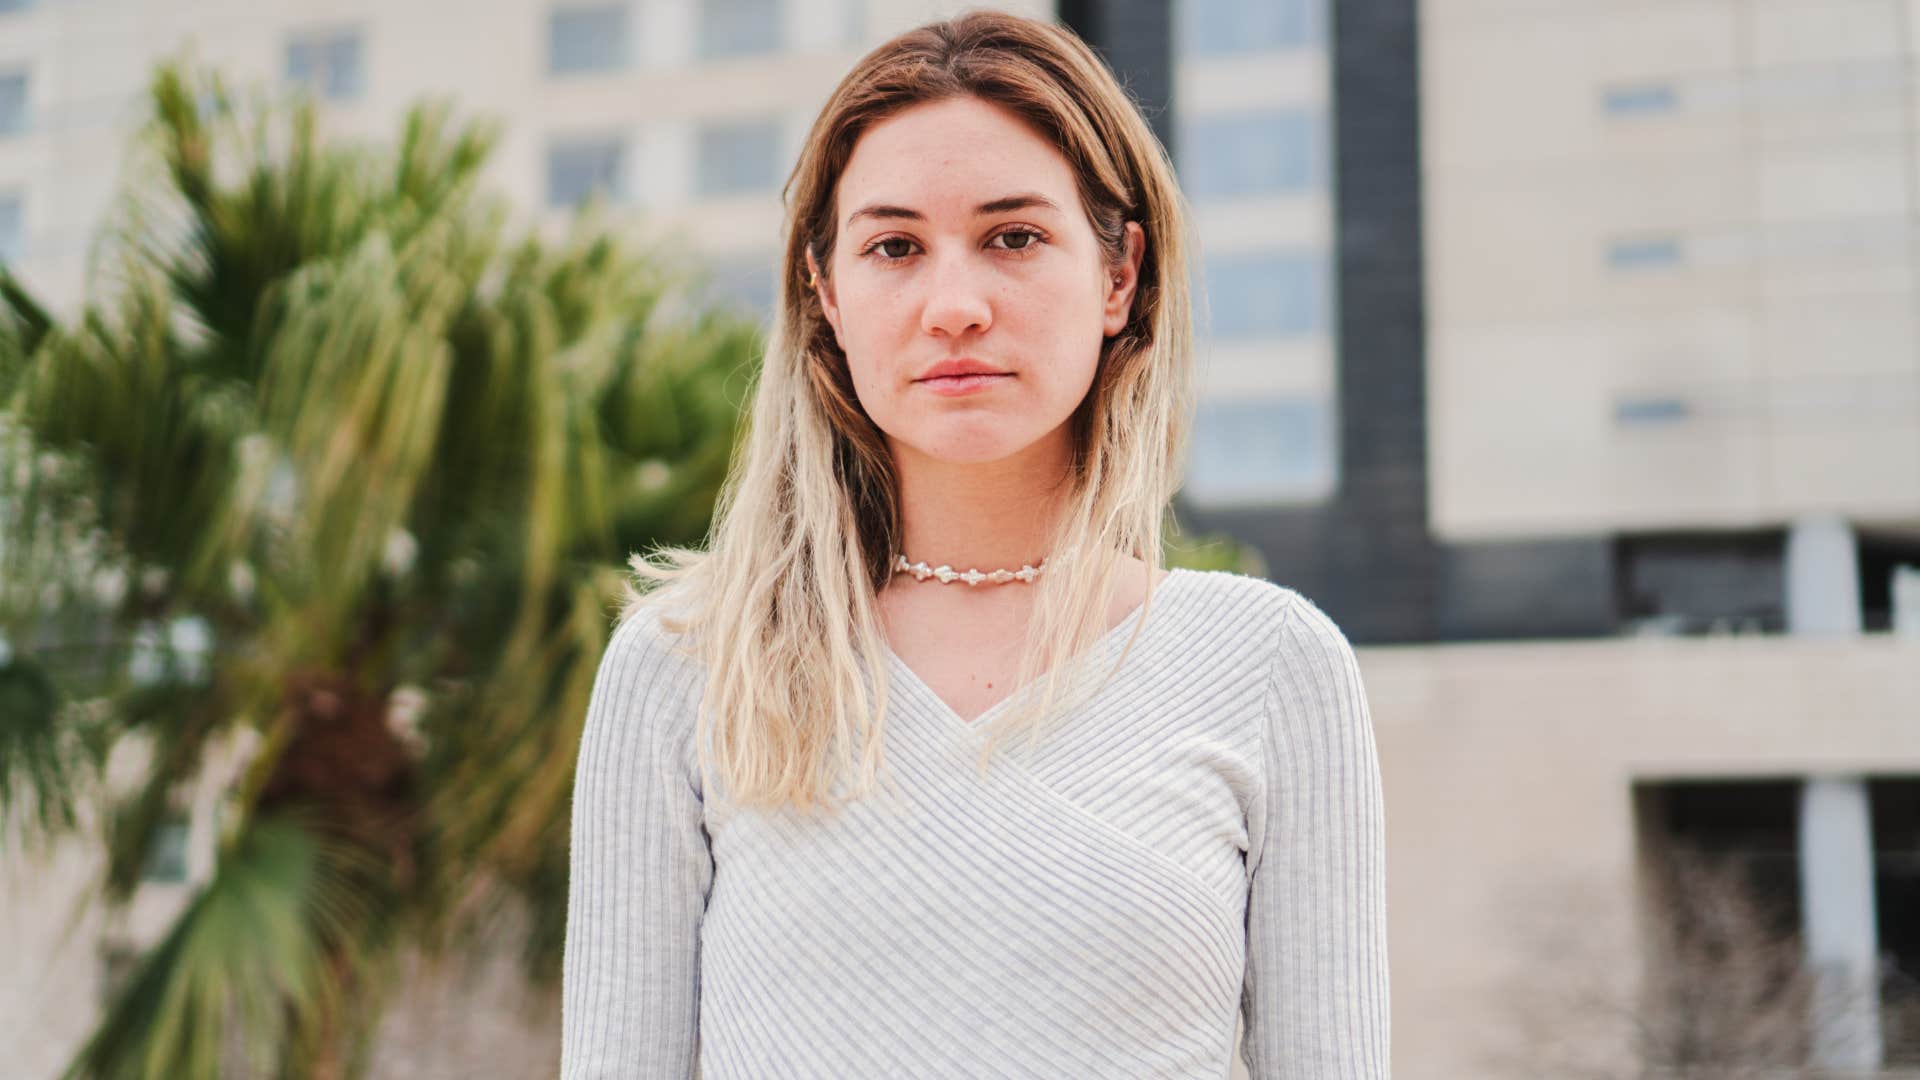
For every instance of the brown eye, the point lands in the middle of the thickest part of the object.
(890, 253)
(1027, 240)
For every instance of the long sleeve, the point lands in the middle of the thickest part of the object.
(640, 872)
(1315, 1004)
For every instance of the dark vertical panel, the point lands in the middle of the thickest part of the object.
(1366, 555)
(1135, 38)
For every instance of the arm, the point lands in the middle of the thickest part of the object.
(640, 872)
(1315, 998)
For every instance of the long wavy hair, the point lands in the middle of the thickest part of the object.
(781, 607)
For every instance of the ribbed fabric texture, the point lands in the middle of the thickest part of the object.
(1199, 844)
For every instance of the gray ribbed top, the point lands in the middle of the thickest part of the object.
(1200, 843)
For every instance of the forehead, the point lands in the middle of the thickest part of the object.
(944, 158)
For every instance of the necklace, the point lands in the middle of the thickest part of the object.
(947, 574)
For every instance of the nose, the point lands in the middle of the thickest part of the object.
(957, 297)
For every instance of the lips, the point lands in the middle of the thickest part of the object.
(962, 365)
(959, 385)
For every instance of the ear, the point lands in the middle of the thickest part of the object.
(825, 288)
(1124, 281)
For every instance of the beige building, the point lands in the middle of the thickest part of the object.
(1671, 270)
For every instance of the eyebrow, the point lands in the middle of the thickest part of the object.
(1022, 201)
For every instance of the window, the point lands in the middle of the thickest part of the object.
(13, 228)
(1243, 153)
(1723, 583)
(580, 168)
(739, 156)
(1634, 100)
(1643, 253)
(13, 103)
(584, 39)
(1209, 27)
(1257, 450)
(1644, 411)
(327, 63)
(167, 858)
(1265, 295)
(739, 27)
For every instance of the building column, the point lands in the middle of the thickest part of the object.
(1836, 894)
(1823, 577)
(1836, 822)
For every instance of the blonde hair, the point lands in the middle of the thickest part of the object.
(781, 605)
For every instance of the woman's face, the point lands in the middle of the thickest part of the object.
(961, 236)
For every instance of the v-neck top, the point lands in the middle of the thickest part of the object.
(1103, 651)
(1191, 857)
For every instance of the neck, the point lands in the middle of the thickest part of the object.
(988, 516)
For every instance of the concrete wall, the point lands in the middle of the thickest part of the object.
(1508, 773)
(1671, 263)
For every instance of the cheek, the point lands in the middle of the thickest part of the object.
(866, 316)
(1063, 340)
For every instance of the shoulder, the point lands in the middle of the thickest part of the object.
(1288, 633)
(1237, 602)
(1314, 675)
(1263, 629)
(645, 633)
(648, 673)
(1306, 627)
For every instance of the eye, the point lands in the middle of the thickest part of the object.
(1028, 238)
(1028, 241)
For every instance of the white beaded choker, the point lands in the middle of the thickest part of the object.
(921, 572)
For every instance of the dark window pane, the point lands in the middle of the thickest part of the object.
(1643, 253)
(739, 27)
(167, 859)
(1646, 98)
(587, 39)
(13, 103)
(577, 169)
(1643, 411)
(13, 228)
(327, 64)
(344, 73)
(1230, 26)
(1246, 450)
(738, 157)
(1265, 294)
(1245, 153)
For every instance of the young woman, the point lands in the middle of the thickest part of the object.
(800, 847)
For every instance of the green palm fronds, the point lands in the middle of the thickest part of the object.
(385, 458)
(245, 968)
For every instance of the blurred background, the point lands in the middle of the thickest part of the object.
(1565, 351)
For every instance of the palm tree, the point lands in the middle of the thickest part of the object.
(386, 460)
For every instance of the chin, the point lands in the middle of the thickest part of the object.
(971, 447)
